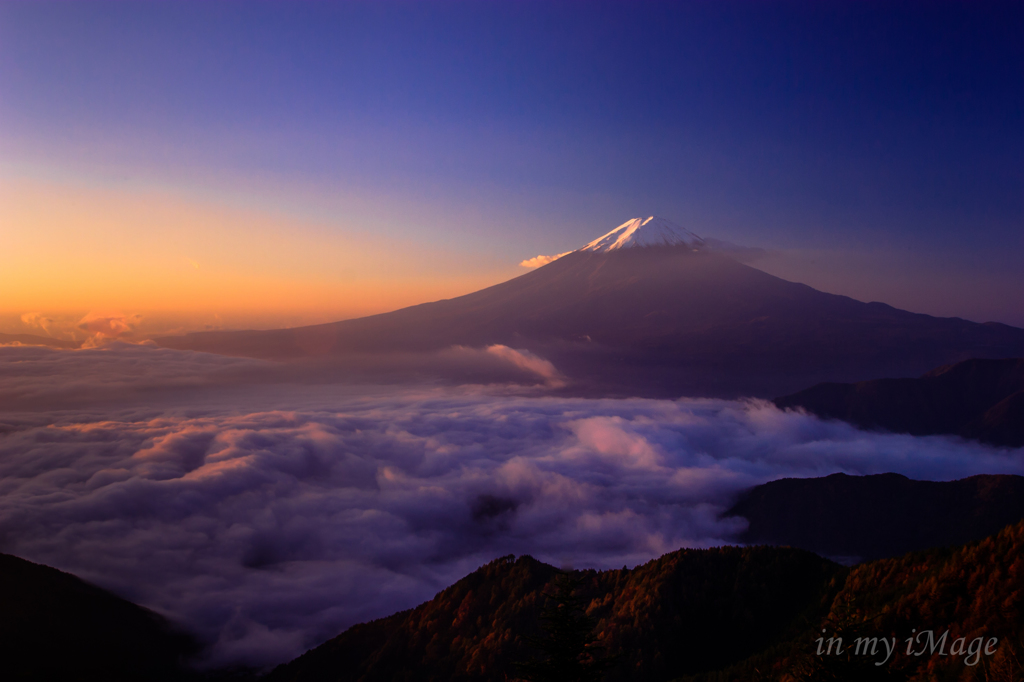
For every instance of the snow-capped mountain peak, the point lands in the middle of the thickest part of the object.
(651, 231)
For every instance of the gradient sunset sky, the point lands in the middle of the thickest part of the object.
(260, 164)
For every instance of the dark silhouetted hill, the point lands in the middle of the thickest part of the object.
(54, 626)
(979, 398)
(688, 611)
(885, 515)
(654, 321)
(726, 614)
(970, 592)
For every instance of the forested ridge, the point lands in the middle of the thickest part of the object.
(687, 611)
(711, 615)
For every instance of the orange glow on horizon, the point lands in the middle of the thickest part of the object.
(70, 250)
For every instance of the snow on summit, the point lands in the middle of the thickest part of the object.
(650, 231)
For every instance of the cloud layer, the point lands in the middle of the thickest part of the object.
(268, 517)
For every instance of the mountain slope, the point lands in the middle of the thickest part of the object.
(969, 592)
(982, 399)
(659, 620)
(655, 321)
(711, 615)
(869, 517)
(54, 626)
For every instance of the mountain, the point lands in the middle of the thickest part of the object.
(643, 232)
(54, 626)
(711, 616)
(685, 612)
(981, 399)
(651, 320)
(869, 517)
(971, 594)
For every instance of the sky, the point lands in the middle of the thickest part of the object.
(194, 165)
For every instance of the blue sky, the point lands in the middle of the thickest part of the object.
(872, 147)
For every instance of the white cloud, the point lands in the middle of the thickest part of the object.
(538, 261)
(530, 362)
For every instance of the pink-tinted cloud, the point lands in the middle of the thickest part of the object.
(104, 326)
(538, 261)
(530, 362)
(38, 321)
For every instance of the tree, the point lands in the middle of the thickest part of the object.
(567, 645)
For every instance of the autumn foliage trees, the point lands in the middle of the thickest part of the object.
(712, 615)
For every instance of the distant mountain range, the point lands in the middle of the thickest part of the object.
(853, 518)
(650, 310)
(981, 399)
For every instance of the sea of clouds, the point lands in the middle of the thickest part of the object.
(268, 513)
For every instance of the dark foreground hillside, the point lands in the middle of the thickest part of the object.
(971, 594)
(54, 626)
(686, 612)
(718, 615)
(980, 399)
(851, 518)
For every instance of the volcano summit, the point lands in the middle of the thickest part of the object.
(652, 231)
